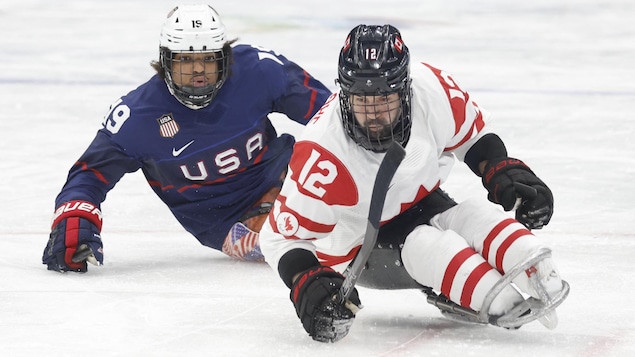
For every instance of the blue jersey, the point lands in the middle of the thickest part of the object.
(208, 165)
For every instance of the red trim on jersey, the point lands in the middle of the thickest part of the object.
(158, 184)
(478, 125)
(458, 109)
(332, 260)
(421, 193)
(309, 112)
(458, 100)
(85, 167)
(320, 112)
(304, 222)
(272, 223)
(457, 103)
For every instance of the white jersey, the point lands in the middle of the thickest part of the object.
(463, 252)
(330, 180)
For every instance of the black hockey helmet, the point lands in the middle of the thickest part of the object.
(374, 62)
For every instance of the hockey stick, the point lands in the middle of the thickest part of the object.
(387, 169)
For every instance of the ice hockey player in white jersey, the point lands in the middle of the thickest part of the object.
(475, 262)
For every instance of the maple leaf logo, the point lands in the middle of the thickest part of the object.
(287, 223)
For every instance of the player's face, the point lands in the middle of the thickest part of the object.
(194, 69)
(377, 114)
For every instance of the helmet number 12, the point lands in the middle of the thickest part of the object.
(371, 53)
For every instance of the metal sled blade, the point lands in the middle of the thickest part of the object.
(507, 279)
(452, 310)
(462, 318)
(533, 309)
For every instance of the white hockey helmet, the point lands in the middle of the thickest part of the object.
(194, 29)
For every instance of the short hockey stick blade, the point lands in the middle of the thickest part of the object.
(387, 169)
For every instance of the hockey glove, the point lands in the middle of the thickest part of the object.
(74, 238)
(508, 180)
(314, 295)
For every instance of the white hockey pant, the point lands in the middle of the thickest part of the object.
(466, 251)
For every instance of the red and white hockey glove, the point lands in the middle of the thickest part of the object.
(508, 180)
(314, 295)
(74, 238)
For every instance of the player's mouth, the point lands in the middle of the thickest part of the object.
(199, 81)
(375, 126)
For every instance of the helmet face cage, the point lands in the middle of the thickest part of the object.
(374, 80)
(193, 54)
(181, 71)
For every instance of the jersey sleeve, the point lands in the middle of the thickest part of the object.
(97, 171)
(302, 94)
(469, 119)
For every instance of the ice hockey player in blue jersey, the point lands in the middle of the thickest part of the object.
(200, 133)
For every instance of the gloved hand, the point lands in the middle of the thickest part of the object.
(508, 180)
(314, 295)
(74, 238)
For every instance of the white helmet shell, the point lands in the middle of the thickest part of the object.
(193, 28)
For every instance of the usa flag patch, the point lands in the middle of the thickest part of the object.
(242, 243)
(168, 126)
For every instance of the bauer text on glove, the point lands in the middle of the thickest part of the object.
(75, 238)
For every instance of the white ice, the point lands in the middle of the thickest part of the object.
(558, 77)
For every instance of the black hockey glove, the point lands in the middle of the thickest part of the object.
(74, 238)
(508, 179)
(314, 295)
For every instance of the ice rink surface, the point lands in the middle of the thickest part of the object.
(557, 76)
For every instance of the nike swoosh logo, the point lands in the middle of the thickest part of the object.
(178, 152)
